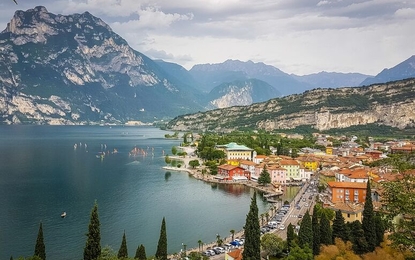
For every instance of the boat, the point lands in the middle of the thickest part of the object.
(63, 214)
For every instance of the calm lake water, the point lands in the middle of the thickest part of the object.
(43, 175)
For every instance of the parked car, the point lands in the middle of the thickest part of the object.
(206, 253)
(282, 227)
(300, 216)
(219, 250)
(239, 241)
(235, 243)
(211, 252)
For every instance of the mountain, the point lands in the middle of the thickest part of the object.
(211, 75)
(332, 79)
(178, 72)
(241, 92)
(389, 104)
(403, 70)
(57, 69)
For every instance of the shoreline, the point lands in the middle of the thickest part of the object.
(196, 173)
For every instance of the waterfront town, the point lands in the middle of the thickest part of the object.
(335, 177)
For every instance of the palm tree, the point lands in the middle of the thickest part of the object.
(232, 233)
(200, 244)
(262, 218)
(267, 216)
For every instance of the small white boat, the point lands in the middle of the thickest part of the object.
(63, 214)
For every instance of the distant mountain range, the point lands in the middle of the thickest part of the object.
(73, 69)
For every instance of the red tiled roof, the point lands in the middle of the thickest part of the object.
(355, 185)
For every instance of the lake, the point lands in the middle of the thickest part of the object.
(46, 170)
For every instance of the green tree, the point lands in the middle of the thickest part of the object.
(290, 236)
(339, 227)
(123, 252)
(358, 238)
(92, 248)
(161, 253)
(140, 253)
(264, 177)
(40, 245)
(194, 163)
(107, 253)
(232, 233)
(325, 230)
(316, 232)
(300, 253)
(252, 247)
(272, 244)
(174, 150)
(380, 229)
(200, 243)
(305, 235)
(368, 222)
(167, 159)
(400, 213)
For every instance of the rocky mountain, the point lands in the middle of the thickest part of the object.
(241, 93)
(332, 79)
(403, 70)
(57, 69)
(390, 104)
(212, 75)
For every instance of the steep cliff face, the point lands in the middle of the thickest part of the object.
(391, 104)
(57, 69)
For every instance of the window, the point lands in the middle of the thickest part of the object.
(348, 215)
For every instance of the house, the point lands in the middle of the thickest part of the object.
(293, 169)
(234, 255)
(355, 175)
(259, 158)
(310, 163)
(347, 191)
(236, 151)
(230, 172)
(248, 166)
(277, 174)
(350, 211)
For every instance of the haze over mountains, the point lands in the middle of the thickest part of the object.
(73, 69)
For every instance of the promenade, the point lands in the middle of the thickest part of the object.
(197, 173)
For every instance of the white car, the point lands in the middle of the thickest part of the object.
(219, 249)
(239, 241)
(282, 227)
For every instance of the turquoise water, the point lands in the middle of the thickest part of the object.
(42, 175)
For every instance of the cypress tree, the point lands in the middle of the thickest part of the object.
(358, 238)
(368, 222)
(305, 235)
(123, 252)
(161, 253)
(140, 253)
(92, 248)
(325, 230)
(339, 227)
(380, 229)
(252, 250)
(290, 236)
(40, 245)
(316, 232)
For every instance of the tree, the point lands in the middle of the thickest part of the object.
(141, 253)
(368, 222)
(123, 252)
(399, 196)
(339, 227)
(316, 232)
(272, 244)
(358, 238)
(252, 249)
(174, 150)
(379, 229)
(340, 250)
(325, 230)
(92, 248)
(300, 253)
(264, 178)
(40, 245)
(200, 243)
(167, 159)
(290, 236)
(161, 252)
(232, 233)
(305, 235)
(194, 163)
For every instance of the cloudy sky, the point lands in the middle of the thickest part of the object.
(296, 36)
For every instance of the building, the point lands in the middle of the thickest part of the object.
(231, 172)
(347, 191)
(356, 175)
(293, 169)
(234, 255)
(350, 211)
(236, 151)
(277, 174)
